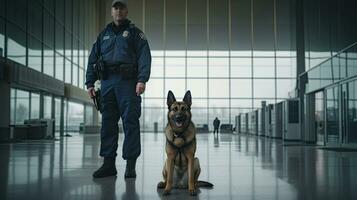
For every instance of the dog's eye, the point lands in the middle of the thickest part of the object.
(175, 109)
(183, 109)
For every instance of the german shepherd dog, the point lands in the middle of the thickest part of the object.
(182, 168)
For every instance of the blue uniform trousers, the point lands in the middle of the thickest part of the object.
(119, 100)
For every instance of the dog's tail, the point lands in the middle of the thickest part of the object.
(205, 184)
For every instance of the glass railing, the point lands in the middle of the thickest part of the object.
(339, 67)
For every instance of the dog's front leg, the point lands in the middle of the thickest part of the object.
(190, 171)
(170, 172)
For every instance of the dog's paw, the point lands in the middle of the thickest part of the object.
(193, 192)
(166, 192)
(161, 185)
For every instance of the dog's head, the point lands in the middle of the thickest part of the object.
(179, 115)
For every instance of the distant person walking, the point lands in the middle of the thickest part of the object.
(216, 123)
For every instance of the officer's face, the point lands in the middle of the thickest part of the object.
(119, 12)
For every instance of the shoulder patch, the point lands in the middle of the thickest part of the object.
(142, 36)
(106, 37)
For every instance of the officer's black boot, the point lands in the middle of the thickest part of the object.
(130, 169)
(107, 169)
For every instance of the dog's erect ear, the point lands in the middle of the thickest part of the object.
(170, 99)
(188, 99)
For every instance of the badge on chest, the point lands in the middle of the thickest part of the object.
(125, 34)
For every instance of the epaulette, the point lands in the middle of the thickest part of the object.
(132, 25)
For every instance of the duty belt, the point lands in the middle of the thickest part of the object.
(113, 68)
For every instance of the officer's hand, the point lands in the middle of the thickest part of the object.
(91, 92)
(140, 88)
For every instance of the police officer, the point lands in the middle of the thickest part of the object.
(125, 54)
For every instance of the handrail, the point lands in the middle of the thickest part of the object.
(320, 77)
(337, 54)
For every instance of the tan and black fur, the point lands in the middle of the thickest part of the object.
(182, 168)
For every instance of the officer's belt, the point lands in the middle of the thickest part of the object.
(119, 68)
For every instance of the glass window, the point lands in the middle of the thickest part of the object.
(22, 106)
(68, 71)
(35, 106)
(68, 46)
(81, 79)
(175, 25)
(241, 103)
(218, 103)
(75, 52)
(198, 87)
(157, 67)
(284, 86)
(68, 15)
(59, 38)
(352, 112)
(75, 75)
(352, 62)
(48, 36)
(197, 25)
(75, 116)
(34, 53)
(81, 58)
(221, 113)
(218, 67)
(154, 88)
(16, 41)
(241, 27)
(57, 113)
(264, 67)
(257, 103)
(59, 67)
(332, 115)
(12, 106)
(15, 13)
(2, 37)
(241, 88)
(155, 103)
(75, 17)
(49, 6)
(175, 34)
(89, 115)
(218, 27)
(219, 88)
(284, 68)
(60, 11)
(175, 67)
(2, 9)
(197, 67)
(48, 61)
(177, 86)
(154, 24)
(34, 19)
(199, 102)
(153, 115)
(47, 107)
(199, 116)
(241, 67)
(264, 88)
(263, 22)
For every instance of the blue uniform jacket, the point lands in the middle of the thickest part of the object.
(127, 44)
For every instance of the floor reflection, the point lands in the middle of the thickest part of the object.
(240, 167)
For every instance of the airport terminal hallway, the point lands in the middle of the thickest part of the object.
(239, 166)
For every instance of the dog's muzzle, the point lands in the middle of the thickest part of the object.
(179, 120)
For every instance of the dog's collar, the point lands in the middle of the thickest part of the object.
(179, 135)
(182, 137)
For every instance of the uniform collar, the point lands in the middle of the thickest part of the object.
(121, 27)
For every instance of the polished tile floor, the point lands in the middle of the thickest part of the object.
(240, 167)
